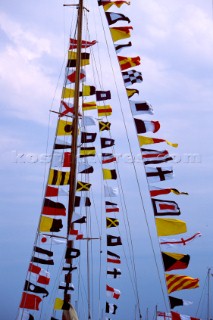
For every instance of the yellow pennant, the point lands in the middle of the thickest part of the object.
(167, 227)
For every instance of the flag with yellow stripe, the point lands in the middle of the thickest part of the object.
(107, 4)
(89, 106)
(83, 186)
(104, 126)
(58, 178)
(111, 222)
(176, 282)
(149, 140)
(104, 111)
(87, 152)
(72, 59)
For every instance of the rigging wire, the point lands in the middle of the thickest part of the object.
(141, 197)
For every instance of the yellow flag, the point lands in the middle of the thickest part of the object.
(64, 128)
(119, 33)
(176, 282)
(87, 152)
(58, 178)
(61, 304)
(107, 4)
(89, 106)
(72, 58)
(149, 140)
(104, 111)
(109, 174)
(45, 224)
(67, 93)
(167, 227)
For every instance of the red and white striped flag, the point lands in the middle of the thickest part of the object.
(84, 44)
(111, 207)
(178, 316)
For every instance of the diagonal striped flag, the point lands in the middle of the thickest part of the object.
(176, 282)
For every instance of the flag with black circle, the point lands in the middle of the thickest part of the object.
(30, 287)
(132, 76)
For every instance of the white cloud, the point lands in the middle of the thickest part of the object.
(26, 88)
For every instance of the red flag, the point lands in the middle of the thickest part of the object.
(71, 76)
(112, 292)
(43, 276)
(178, 316)
(84, 44)
(30, 301)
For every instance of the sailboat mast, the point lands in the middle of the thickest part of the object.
(208, 298)
(73, 167)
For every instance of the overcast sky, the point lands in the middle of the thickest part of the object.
(174, 39)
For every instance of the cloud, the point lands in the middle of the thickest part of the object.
(27, 87)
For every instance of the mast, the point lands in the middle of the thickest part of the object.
(208, 294)
(73, 162)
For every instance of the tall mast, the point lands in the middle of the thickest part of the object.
(73, 167)
(208, 297)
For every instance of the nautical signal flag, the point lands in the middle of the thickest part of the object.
(176, 282)
(113, 17)
(42, 276)
(42, 256)
(83, 186)
(174, 261)
(30, 301)
(113, 258)
(112, 292)
(165, 207)
(143, 126)
(103, 95)
(110, 308)
(87, 152)
(109, 174)
(31, 287)
(75, 235)
(104, 126)
(111, 222)
(131, 92)
(58, 178)
(168, 227)
(176, 302)
(86, 106)
(107, 142)
(119, 33)
(151, 156)
(108, 158)
(84, 44)
(61, 304)
(104, 111)
(155, 191)
(24, 315)
(108, 3)
(49, 240)
(72, 253)
(180, 242)
(178, 316)
(68, 93)
(110, 191)
(140, 107)
(131, 76)
(113, 241)
(52, 208)
(163, 315)
(149, 140)
(88, 137)
(113, 273)
(69, 287)
(119, 47)
(111, 207)
(159, 173)
(82, 202)
(128, 62)
(71, 76)
(72, 59)
(88, 121)
(61, 144)
(64, 128)
(66, 109)
(50, 225)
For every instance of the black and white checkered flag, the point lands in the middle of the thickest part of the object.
(132, 76)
